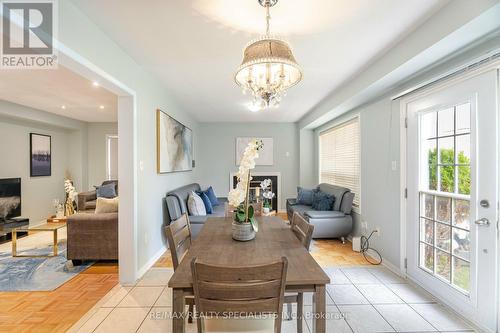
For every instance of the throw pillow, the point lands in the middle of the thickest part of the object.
(105, 205)
(322, 201)
(196, 206)
(105, 191)
(211, 195)
(206, 202)
(305, 196)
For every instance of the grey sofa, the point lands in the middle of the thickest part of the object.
(327, 224)
(175, 204)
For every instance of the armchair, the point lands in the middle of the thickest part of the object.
(86, 200)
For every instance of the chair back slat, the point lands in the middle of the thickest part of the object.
(302, 229)
(241, 290)
(179, 239)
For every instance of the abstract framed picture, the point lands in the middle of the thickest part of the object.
(174, 144)
(40, 155)
(266, 154)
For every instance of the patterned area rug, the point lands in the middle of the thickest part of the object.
(37, 274)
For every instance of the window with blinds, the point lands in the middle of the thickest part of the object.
(339, 157)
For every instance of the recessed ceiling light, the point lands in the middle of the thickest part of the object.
(63, 107)
(101, 107)
(95, 84)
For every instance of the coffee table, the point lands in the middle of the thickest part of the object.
(50, 227)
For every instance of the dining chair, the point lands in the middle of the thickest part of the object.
(258, 207)
(303, 230)
(247, 292)
(179, 241)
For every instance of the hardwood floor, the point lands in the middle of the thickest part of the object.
(58, 310)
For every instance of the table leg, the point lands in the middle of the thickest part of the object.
(179, 306)
(55, 243)
(319, 309)
(14, 243)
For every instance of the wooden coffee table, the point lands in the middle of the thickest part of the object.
(51, 227)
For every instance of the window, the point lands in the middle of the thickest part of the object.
(111, 157)
(339, 157)
(445, 186)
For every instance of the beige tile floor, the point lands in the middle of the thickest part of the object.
(360, 299)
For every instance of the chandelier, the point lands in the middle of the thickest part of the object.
(268, 68)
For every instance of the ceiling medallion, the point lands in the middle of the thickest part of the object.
(268, 68)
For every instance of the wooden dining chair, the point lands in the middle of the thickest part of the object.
(303, 230)
(243, 290)
(179, 241)
(258, 208)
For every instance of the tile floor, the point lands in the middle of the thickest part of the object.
(360, 299)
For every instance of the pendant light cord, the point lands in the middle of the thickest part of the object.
(268, 18)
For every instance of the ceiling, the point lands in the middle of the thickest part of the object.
(194, 46)
(49, 90)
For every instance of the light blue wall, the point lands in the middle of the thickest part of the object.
(215, 154)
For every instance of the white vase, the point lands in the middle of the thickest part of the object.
(266, 210)
(243, 232)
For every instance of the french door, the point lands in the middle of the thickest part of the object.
(452, 200)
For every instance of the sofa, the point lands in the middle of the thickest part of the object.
(86, 200)
(175, 204)
(92, 237)
(335, 223)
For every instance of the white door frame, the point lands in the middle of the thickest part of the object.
(404, 101)
(127, 156)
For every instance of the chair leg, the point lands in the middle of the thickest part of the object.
(342, 239)
(199, 325)
(190, 313)
(300, 312)
(288, 311)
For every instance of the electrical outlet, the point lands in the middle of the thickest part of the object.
(377, 229)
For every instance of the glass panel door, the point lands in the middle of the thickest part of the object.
(445, 174)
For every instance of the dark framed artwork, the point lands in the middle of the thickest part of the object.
(174, 144)
(40, 155)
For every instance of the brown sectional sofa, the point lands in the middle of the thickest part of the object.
(92, 237)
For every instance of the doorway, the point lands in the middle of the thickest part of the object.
(452, 195)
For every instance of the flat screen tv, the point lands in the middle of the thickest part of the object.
(10, 198)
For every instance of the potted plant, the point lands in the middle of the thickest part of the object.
(244, 225)
(267, 195)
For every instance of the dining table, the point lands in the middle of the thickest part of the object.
(274, 240)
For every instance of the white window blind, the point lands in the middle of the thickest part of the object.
(339, 157)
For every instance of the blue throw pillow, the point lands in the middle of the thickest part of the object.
(322, 201)
(305, 196)
(106, 191)
(206, 201)
(211, 195)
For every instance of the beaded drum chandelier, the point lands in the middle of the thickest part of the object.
(268, 68)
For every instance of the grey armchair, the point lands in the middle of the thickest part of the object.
(335, 223)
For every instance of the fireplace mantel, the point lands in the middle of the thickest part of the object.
(263, 174)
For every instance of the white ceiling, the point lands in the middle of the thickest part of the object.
(49, 90)
(195, 46)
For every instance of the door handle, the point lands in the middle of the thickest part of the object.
(483, 222)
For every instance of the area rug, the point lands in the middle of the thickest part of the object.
(37, 274)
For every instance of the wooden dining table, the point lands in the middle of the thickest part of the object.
(275, 239)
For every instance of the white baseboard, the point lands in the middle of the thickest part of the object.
(393, 268)
(151, 262)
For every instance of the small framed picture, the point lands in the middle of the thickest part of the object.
(40, 155)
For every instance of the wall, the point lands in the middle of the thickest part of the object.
(78, 33)
(215, 157)
(379, 130)
(38, 193)
(97, 151)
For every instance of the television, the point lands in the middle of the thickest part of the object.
(10, 198)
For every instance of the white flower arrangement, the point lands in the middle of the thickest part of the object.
(70, 190)
(239, 195)
(266, 192)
